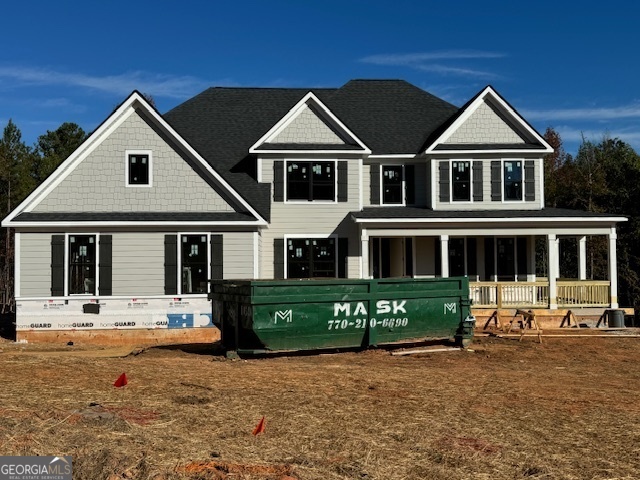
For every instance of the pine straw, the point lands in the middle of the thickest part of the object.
(565, 409)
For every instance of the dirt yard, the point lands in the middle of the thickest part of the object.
(566, 409)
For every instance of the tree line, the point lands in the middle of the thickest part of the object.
(602, 177)
(22, 169)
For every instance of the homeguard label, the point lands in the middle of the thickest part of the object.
(36, 468)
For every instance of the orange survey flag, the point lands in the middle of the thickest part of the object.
(121, 381)
(260, 427)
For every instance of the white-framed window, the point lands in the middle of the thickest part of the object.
(461, 183)
(512, 180)
(311, 257)
(81, 264)
(392, 185)
(138, 168)
(311, 180)
(194, 261)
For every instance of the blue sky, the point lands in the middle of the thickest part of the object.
(573, 66)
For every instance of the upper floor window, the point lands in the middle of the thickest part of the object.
(393, 185)
(311, 180)
(461, 181)
(512, 174)
(138, 169)
(82, 264)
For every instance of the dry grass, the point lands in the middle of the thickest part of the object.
(566, 409)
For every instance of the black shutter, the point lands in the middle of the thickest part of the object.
(477, 181)
(375, 184)
(444, 181)
(278, 258)
(343, 252)
(529, 181)
(278, 181)
(105, 265)
(57, 265)
(170, 264)
(343, 181)
(496, 181)
(410, 183)
(217, 255)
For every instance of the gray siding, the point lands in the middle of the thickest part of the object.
(309, 218)
(35, 264)
(487, 204)
(485, 125)
(308, 128)
(138, 263)
(238, 255)
(98, 182)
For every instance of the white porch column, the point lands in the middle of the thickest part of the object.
(364, 254)
(582, 257)
(552, 258)
(531, 256)
(613, 268)
(444, 256)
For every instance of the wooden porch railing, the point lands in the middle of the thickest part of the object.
(576, 293)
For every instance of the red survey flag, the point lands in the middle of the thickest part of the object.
(260, 427)
(121, 381)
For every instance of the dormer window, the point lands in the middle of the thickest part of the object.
(138, 168)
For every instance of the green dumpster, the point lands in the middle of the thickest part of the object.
(257, 316)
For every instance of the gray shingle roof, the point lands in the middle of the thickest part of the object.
(389, 116)
(401, 213)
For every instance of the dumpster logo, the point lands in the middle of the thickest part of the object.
(286, 315)
(450, 308)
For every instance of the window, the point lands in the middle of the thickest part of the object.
(194, 253)
(138, 169)
(82, 264)
(512, 172)
(461, 181)
(392, 185)
(311, 257)
(309, 181)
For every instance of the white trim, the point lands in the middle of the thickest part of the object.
(403, 192)
(480, 98)
(507, 151)
(16, 264)
(394, 155)
(310, 236)
(127, 154)
(292, 114)
(256, 255)
(259, 169)
(492, 220)
(360, 184)
(95, 139)
(307, 202)
(179, 257)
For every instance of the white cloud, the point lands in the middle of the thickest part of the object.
(160, 85)
(433, 62)
(589, 113)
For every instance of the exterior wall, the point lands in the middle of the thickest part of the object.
(485, 126)
(98, 183)
(487, 203)
(311, 218)
(138, 263)
(35, 264)
(422, 184)
(238, 255)
(308, 128)
(424, 248)
(366, 185)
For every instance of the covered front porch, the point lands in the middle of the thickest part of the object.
(512, 262)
